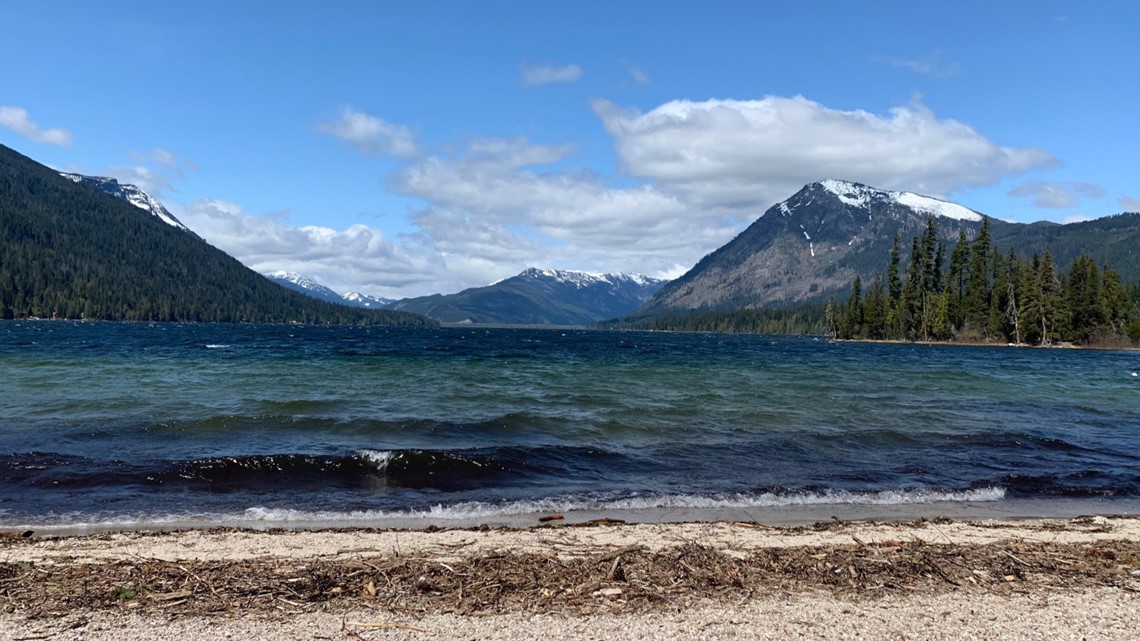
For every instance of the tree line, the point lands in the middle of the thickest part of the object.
(979, 294)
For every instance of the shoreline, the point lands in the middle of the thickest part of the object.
(723, 579)
(791, 515)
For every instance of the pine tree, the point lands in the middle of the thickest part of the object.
(978, 287)
(1029, 302)
(1116, 304)
(956, 281)
(1054, 314)
(831, 317)
(894, 283)
(1086, 303)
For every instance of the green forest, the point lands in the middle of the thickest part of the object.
(974, 292)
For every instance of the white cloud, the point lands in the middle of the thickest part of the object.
(936, 64)
(369, 134)
(358, 258)
(751, 153)
(1056, 195)
(1129, 204)
(499, 209)
(696, 173)
(535, 75)
(17, 120)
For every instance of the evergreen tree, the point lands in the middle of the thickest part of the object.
(999, 297)
(1029, 302)
(894, 283)
(853, 317)
(1054, 314)
(831, 317)
(910, 304)
(875, 311)
(1086, 302)
(978, 286)
(956, 281)
(1116, 304)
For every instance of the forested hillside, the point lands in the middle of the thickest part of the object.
(69, 250)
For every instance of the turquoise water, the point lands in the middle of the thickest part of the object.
(136, 423)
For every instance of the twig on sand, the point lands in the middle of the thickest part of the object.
(344, 623)
(609, 556)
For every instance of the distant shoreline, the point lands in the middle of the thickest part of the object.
(1061, 346)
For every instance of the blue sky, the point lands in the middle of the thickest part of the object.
(409, 148)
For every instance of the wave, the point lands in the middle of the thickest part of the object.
(470, 512)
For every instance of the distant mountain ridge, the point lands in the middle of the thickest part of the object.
(816, 242)
(311, 287)
(540, 297)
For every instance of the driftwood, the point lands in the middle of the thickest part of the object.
(628, 579)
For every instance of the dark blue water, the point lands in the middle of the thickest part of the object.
(136, 423)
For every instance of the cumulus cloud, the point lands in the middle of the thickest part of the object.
(1129, 204)
(499, 206)
(936, 64)
(17, 120)
(751, 153)
(1056, 195)
(535, 75)
(369, 134)
(694, 175)
(358, 258)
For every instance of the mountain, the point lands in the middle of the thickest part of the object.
(813, 245)
(71, 249)
(310, 287)
(306, 286)
(365, 300)
(540, 297)
(131, 194)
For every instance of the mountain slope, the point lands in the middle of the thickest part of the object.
(813, 245)
(131, 194)
(540, 297)
(69, 249)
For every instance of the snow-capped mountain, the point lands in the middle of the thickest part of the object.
(540, 297)
(131, 194)
(311, 287)
(862, 196)
(306, 286)
(811, 245)
(364, 300)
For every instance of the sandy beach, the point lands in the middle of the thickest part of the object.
(925, 579)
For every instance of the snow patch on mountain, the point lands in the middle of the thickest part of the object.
(582, 279)
(857, 195)
(311, 287)
(364, 300)
(131, 194)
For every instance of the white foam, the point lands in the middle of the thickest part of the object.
(477, 511)
(379, 458)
